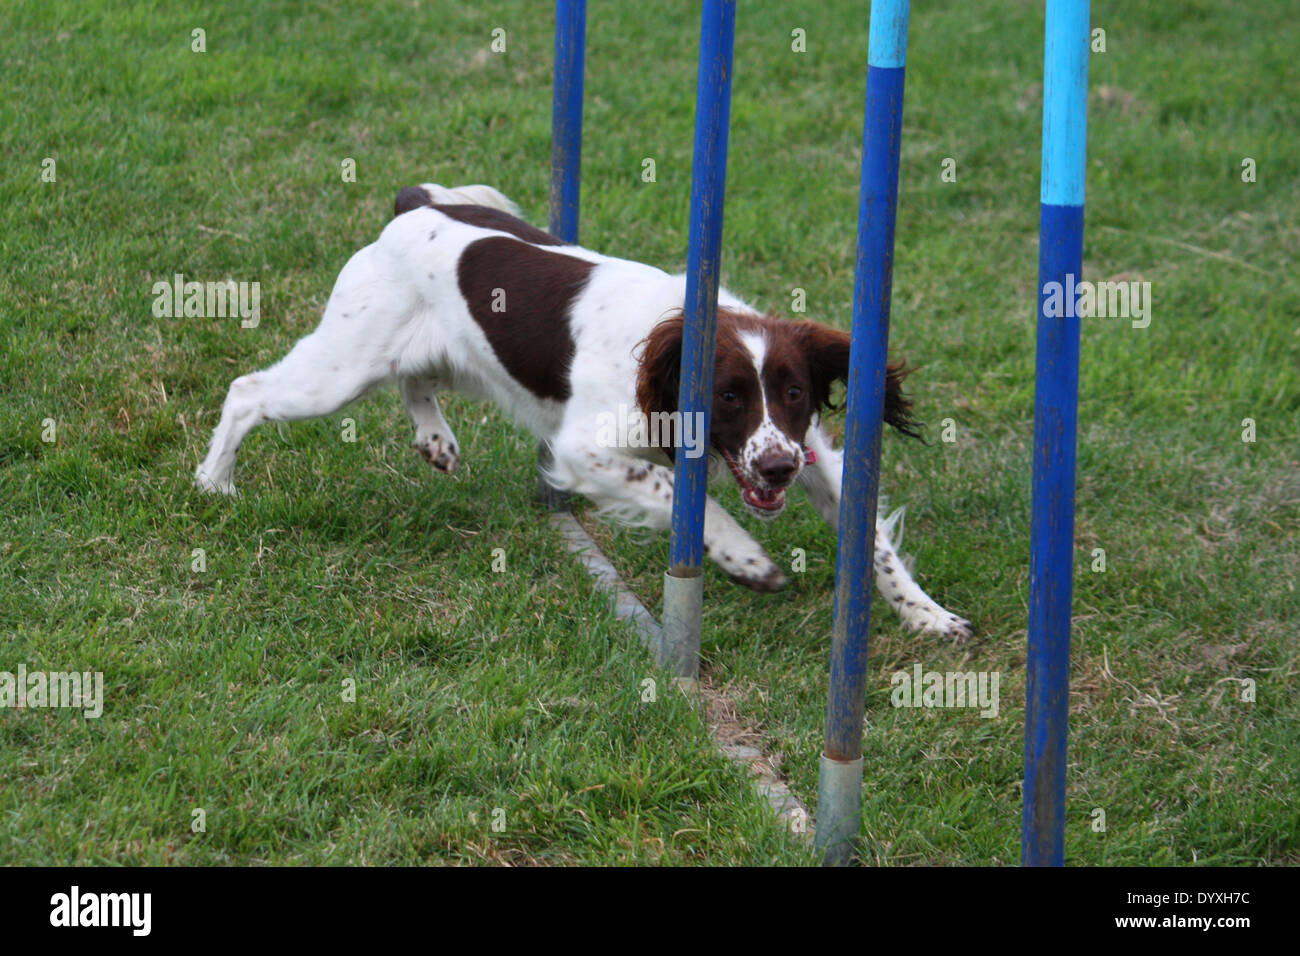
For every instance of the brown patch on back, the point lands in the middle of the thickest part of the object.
(485, 217)
(533, 291)
(410, 197)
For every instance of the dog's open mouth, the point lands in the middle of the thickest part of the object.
(764, 502)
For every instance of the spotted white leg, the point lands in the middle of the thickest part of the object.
(433, 436)
(821, 479)
(640, 493)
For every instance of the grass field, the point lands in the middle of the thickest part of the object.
(498, 715)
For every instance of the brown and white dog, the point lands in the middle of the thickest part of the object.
(583, 351)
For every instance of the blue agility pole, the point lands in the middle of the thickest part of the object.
(1051, 562)
(839, 807)
(683, 582)
(566, 164)
(566, 117)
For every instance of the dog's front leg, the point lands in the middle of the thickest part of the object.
(640, 493)
(736, 552)
(919, 611)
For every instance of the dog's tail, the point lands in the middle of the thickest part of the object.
(430, 194)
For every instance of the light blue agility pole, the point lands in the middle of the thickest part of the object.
(1051, 560)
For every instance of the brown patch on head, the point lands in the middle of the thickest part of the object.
(485, 217)
(789, 385)
(659, 370)
(737, 392)
(521, 297)
(801, 362)
(735, 410)
(737, 388)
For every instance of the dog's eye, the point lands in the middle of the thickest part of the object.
(728, 396)
(794, 394)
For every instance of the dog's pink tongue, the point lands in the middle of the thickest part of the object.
(764, 499)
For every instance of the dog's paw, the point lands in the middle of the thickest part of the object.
(765, 583)
(750, 567)
(214, 486)
(439, 452)
(943, 623)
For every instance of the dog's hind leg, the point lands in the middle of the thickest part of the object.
(356, 347)
(433, 436)
(313, 380)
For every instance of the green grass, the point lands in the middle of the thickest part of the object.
(518, 691)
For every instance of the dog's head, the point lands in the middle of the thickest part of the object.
(770, 378)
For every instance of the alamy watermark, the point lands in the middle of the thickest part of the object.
(83, 690)
(208, 300)
(922, 688)
(1085, 300)
(129, 910)
(633, 428)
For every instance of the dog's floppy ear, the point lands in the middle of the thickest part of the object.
(659, 372)
(827, 350)
(410, 197)
(898, 407)
(827, 353)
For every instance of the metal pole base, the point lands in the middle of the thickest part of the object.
(679, 647)
(839, 809)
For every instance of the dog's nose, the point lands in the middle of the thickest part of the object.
(778, 470)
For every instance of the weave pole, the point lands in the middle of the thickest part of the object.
(684, 582)
(1051, 559)
(839, 803)
(566, 117)
(566, 165)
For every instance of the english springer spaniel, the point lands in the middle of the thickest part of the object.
(583, 351)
